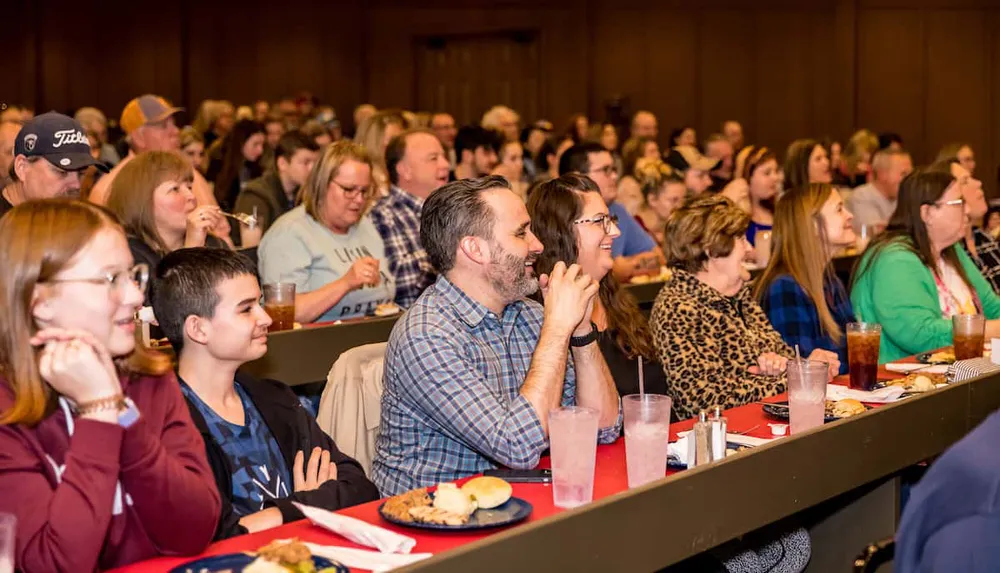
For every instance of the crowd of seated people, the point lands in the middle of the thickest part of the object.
(509, 250)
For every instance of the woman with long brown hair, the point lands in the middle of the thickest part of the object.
(800, 292)
(241, 151)
(100, 458)
(806, 161)
(572, 222)
(913, 278)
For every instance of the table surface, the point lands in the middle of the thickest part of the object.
(610, 479)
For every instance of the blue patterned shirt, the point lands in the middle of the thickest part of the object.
(397, 218)
(793, 314)
(259, 472)
(452, 405)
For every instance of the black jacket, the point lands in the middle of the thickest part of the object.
(293, 429)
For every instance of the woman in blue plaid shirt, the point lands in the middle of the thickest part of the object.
(802, 296)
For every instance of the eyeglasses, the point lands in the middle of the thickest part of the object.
(608, 170)
(137, 275)
(352, 192)
(608, 222)
(952, 203)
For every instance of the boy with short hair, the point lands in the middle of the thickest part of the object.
(265, 450)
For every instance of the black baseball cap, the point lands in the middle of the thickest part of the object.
(58, 138)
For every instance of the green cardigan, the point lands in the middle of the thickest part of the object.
(898, 292)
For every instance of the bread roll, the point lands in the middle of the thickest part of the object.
(848, 407)
(489, 492)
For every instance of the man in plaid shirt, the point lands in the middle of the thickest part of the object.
(473, 368)
(417, 165)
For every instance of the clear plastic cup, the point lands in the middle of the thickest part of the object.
(968, 332)
(647, 435)
(8, 526)
(807, 393)
(279, 303)
(573, 450)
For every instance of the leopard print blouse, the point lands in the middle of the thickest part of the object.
(707, 342)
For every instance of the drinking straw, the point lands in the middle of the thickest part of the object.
(641, 385)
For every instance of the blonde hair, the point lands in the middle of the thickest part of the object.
(652, 174)
(797, 249)
(89, 116)
(861, 143)
(40, 239)
(493, 118)
(209, 112)
(190, 135)
(314, 190)
(371, 134)
(703, 228)
(950, 151)
(131, 195)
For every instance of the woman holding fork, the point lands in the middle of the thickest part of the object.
(153, 199)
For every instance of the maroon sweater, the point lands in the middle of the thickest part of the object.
(106, 496)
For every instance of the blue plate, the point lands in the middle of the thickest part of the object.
(514, 511)
(235, 562)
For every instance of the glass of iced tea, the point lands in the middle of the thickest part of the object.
(862, 354)
(279, 303)
(967, 333)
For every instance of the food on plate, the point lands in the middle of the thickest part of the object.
(450, 499)
(399, 506)
(437, 516)
(282, 557)
(847, 407)
(641, 279)
(488, 491)
(943, 357)
(919, 382)
(387, 309)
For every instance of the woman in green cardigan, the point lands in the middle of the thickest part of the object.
(913, 278)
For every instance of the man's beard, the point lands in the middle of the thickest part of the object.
(507, 275)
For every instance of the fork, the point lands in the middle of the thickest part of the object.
(248, 220)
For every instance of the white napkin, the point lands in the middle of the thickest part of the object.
(679, 449)
(880, 396)
(363, 559)
(906, 367)
(358, 531)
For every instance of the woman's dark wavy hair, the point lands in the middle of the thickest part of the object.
(924, 186)
(554, 205)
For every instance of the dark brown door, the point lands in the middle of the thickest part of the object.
(466, 75)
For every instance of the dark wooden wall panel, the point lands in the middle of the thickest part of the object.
(673, 70)
(891, 75)
(727, 54)
(957, 104)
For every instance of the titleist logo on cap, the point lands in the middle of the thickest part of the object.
(68, 137)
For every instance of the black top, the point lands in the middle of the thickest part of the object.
(4, 205)
(625, 370)
(294, 430)
(267, 194)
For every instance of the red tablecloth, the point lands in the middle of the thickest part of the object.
(610, 479)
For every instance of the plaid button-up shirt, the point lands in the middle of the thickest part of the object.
(397, 218)
(451, 406)
(987, 257)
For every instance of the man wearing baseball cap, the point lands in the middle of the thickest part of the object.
(148, 123)
(50, 151)
(696, 167)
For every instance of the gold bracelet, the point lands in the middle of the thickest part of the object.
(116, 402)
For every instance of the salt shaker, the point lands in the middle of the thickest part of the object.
(719, 425)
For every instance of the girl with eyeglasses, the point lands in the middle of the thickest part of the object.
(572, 222)
(100, 458)
(913, 278)
(328, 245)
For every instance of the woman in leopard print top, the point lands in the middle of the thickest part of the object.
(714, 341)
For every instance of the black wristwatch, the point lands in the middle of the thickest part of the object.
(578, 341)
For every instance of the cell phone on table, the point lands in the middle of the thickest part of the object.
(521, 476)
